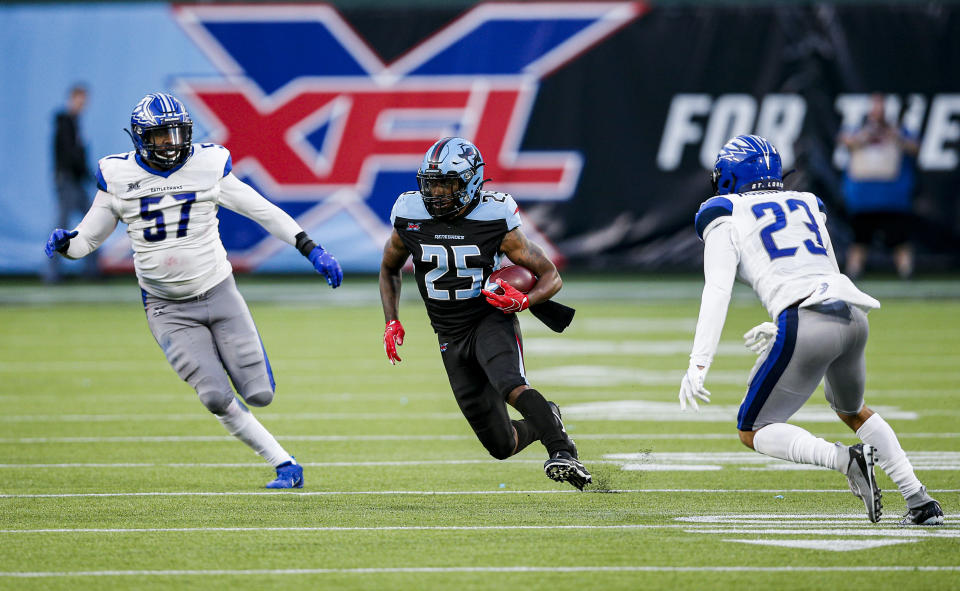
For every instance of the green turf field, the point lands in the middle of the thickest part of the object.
(113, 476)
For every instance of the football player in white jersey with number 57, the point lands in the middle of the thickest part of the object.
(777, 242)
(167, 190)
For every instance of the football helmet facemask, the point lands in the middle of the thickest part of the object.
(450, 176)
(162, 131)
(747, 163)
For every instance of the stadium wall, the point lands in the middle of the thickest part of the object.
(601, 118)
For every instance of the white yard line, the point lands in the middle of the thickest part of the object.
(342, 529)
(261, 465)
(204, 416)
(434, 493)
(482, 569)
(731, 435)
(839, 527)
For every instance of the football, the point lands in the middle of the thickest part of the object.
(521, 278)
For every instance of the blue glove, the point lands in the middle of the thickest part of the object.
(326, 265)
(58, 241)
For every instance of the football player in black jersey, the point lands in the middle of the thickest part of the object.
(457, 234)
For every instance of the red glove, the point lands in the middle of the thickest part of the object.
(510, 301)
(393, 337)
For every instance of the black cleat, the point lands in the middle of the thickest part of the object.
(863, 483)
(564, 467)
(571, 446)
(927, 514)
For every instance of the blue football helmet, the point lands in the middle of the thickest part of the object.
(747, 163)
(162, 131)
(450, 176)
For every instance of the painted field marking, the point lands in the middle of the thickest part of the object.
(731, 435)
(580, 347)
(205, 416)
(632, 326)
(648, 410)
(432, 493)
(825, 544)
(626, 526)
(700, 461)
(833, 533)
(261, 465)
(340, 528)
(913, 532)
(618, 410)
(481, 569)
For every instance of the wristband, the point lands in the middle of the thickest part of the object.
(304, 244)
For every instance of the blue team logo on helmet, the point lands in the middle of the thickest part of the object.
(747, 163)
(450, 176)
(162, 131)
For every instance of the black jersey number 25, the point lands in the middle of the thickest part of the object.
(441, 255)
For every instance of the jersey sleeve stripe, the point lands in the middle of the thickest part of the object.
(101, 182)
(823, 208)
(228, 166)
(712, 209)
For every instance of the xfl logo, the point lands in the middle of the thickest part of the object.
(317, 122)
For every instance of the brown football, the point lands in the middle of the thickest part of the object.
(521, 278)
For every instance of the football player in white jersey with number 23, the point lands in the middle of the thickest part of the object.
(777, 242)
(167, 190)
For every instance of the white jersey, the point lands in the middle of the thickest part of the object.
(777, 242)
(172, 219)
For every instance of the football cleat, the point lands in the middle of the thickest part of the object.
(863, 482)
(563, 467)
(572, 447)
(289, 475)
(926, 514)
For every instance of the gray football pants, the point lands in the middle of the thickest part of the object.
(210, 340)
(825, 341)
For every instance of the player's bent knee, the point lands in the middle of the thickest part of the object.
(261, 398)
(501, 448)
(216, 401)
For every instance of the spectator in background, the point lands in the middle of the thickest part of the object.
(878, 189)
(71, 173)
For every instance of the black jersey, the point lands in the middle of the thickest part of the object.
(452, 259)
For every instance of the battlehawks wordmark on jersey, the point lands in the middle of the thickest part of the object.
(171, 218)
(453, 258)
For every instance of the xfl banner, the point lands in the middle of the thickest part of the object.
(601, 118)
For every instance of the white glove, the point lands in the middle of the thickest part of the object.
(691, 387)
(759, 338)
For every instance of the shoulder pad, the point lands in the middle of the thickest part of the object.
(215, 156)
(409, 206)
(113, 166)
(495, 205)
(711, 209)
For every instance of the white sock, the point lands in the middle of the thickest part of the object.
(244, 426)
(791, 443)
(890, 456)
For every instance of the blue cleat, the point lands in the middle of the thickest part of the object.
(289, 475)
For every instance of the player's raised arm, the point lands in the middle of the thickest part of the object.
(240, 197)
(96, 225)
(522, 251)
(395, 254)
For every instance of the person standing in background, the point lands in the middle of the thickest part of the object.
(878, 189)
(71, 173)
